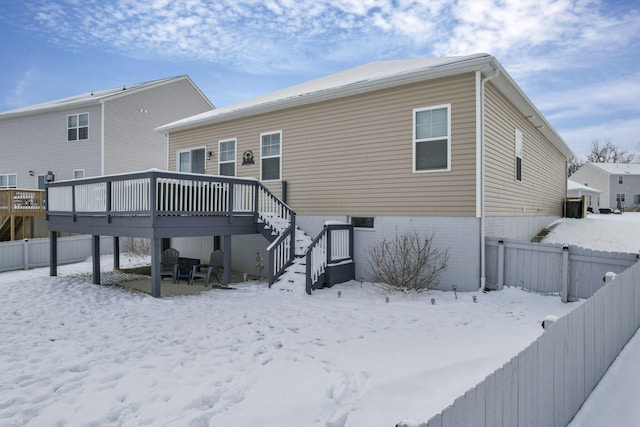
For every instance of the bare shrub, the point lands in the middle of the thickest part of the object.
(408, 262)
(136, 246)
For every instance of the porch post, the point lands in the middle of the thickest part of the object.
(53, 253)
(116, 253)
(156, 251)
(227, 259)
(95, 252)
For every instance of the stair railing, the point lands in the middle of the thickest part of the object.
(334, 244)
(279, 217)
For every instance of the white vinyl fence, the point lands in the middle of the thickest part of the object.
(570, 271)
(30, 253)
(547, 383)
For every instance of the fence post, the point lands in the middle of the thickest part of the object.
(26, 253)
(565, 274)
(500, 264)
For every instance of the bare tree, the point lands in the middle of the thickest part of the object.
(409, 261)
(574, 165)
(608, 153)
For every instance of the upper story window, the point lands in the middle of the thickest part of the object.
(227, 157)
(620, 179)
(78, 127)
(78, 173)
(9, 181)
(270, 156)
(432, 139)
(191, 160)
(518, 153)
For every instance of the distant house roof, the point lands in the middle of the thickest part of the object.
(94, 97)
(376, 76)
(572, 185)
(619, 168)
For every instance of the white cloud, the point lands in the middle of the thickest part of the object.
(606, 97)
(19, 96)
(624, 133)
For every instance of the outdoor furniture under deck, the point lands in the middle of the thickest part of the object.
(158, 205)
(206, 271)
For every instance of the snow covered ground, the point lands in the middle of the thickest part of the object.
(78, 354)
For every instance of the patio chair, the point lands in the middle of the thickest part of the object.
(169, 264)
(205, 271)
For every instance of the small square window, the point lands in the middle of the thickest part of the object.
(78, 127)
(362, 221)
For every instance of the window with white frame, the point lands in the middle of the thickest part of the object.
(9, 180)
(519, 150)
(620, 179)
(78, 173)
(191, 160)
(227, 157)
(270, 156)
(78, 127)
(432, 138)
(620, 197)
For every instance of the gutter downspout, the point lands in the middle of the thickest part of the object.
(481, 109)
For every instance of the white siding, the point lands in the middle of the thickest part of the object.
(131, 144)
(520, 227)
(459, 235)
(39, 143)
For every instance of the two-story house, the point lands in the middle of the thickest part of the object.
(95, 133)
(619, 184)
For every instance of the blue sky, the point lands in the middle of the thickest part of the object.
(578, 61)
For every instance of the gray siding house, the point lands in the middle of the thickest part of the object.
(618, 182)
(449, 145)
(97, 133)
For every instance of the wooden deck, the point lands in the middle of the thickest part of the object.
(157, 205)
(18, 211)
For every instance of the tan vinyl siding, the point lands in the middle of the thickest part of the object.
(543, 185)
(131, 144)
(353, 156)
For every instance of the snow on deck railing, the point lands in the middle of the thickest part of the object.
(165, 193)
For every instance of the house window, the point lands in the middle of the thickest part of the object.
(78, 173)
(518, 155)
(620, 197)
(227, 157)
(191, 160)
(78, 127)
(620, 179)
(636, 199)
(270, 156)
(9, 181)
(432, 138)
(362, 222)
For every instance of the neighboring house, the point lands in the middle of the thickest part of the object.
(449, 145)
(618, 182)
(575, 189)
(97, 133)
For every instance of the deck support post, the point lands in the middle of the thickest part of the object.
(116, 253)
(227, 260)
(95, 252)
(53, 253)
(156, 257)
